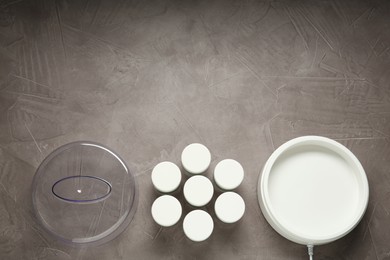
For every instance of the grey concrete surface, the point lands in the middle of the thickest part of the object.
(146, 78)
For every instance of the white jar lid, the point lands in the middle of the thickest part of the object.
(198, 190)
(166, 177)
(198, 225)
(228, 174)
(196, 158)
(166, 210)
(229, 207)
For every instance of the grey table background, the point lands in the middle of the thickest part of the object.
(146, 78)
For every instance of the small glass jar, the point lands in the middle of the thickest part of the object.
(228, 174)
(166, 177)
(229, 207)
(198, 190)
(166, 210)
(196, 158)
(198, 225)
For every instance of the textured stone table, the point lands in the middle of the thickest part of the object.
(147, 78)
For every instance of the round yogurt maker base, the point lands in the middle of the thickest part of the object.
(313, 190)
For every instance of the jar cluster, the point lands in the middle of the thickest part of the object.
(198, 191)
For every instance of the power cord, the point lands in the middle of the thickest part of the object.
(310, 251)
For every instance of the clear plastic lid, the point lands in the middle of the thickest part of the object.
(83, 193)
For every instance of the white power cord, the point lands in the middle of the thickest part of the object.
(310, 251)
